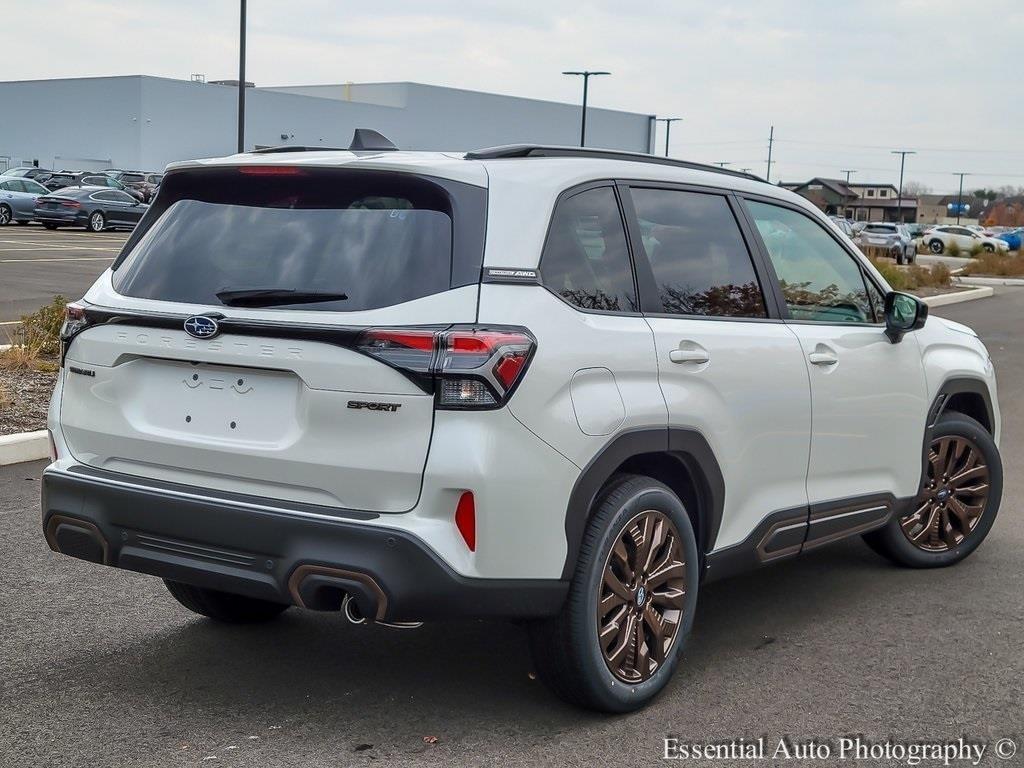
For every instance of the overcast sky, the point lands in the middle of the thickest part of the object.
(843, 83)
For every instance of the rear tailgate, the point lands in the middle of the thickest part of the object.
(290, 419)
(279, 403)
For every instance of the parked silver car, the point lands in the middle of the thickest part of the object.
(894, 238)
(18, 199)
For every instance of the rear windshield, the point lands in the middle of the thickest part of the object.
(378, 239)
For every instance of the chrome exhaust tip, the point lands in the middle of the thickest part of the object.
(351, 610)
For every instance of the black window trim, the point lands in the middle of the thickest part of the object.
(858, 260)
(572, 191)
(650, 301)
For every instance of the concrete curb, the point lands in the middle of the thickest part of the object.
(968, 280)
(24, 446)
(945, 299)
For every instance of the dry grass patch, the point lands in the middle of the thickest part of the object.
(914, 277)
(998, 264)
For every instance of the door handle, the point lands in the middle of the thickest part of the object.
(689, 352)
(822, 355)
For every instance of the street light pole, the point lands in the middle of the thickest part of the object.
(241, 80)
(586, 75)
(899, 194)
(960, 196)
(668, 127)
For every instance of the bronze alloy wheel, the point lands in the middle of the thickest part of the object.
(953, 498)
(641, 597)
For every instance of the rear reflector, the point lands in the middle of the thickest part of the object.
(465, 519)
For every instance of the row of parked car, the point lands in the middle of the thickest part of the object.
(141, 185)
(902, 241)
(93, 200)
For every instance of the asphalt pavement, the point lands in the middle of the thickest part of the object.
(36, 264)
(100, 667)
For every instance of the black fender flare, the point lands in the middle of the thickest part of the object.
(955, 386)
(687, 446)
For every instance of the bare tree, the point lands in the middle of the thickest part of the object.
(915, 188)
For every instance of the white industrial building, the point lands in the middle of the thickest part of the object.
(142, 122)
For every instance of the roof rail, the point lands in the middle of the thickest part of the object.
(540, 150)
(293, 148)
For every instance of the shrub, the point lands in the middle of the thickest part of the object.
(40, 331)
(976, 250)
(952, 249)
(915, 276)
(1000, 264)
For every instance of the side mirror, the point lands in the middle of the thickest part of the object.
(903, 313)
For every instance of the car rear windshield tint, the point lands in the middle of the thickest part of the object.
(379, 239)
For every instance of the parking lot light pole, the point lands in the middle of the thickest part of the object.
(899, 194)
(241, 80)
(668, 127)
(586, 75)
(960, 196)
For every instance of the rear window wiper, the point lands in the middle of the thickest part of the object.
(268, 297)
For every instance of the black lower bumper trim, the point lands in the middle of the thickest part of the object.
(220, 545)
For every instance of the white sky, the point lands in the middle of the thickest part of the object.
(843, 82)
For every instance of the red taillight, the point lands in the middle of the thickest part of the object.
(270, 170)
(472, 367)
(71, 203)
(465, 519)
(75, 321)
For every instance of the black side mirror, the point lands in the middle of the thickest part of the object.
(903, 313)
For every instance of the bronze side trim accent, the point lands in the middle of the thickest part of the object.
(56, 520)
(848, 520)
(300, 574)
(781, 529)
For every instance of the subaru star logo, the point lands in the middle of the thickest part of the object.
(201, 327)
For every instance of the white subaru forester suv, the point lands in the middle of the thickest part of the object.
(548, 384)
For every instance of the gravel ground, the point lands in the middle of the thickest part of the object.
(24, 397)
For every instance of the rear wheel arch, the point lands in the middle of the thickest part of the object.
(680, 458)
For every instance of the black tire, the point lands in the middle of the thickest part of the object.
(989, 248)
(892, 543)
(911, 257)
(6, 215)
(566, 651)
(97, 222)
(22, 222)
(897, 254)
(936, 246)
(224, 606)
(50, 226)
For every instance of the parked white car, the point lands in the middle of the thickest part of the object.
(894, 238)
(557, 385)
(938, 239)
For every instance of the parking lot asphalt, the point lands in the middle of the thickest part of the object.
(100, 667)
(36, 264)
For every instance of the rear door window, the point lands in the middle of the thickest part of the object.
(700, 261)
(378, 239)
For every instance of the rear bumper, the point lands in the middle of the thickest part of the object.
(307, 556)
